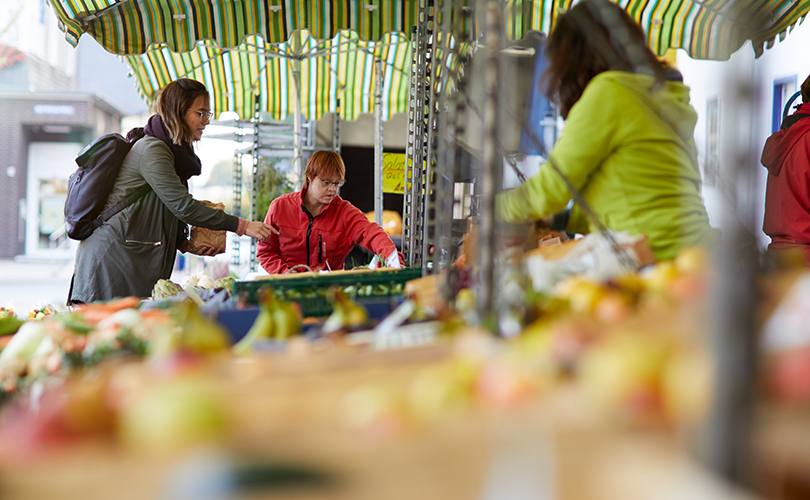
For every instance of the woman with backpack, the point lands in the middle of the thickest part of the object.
(137, 246)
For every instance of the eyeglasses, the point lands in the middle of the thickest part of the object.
(204, 113)
(326, 184)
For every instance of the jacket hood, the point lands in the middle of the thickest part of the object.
(671, 99)
(779, 145)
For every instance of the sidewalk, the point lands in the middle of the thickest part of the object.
(25, 284)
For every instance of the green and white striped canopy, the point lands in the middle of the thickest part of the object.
(226, 43)
(340, 70)
(134, 26)
(705, 29)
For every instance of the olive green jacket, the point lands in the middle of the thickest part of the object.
(637, 171)
(136, 247)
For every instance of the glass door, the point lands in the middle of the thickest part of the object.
(49, 167)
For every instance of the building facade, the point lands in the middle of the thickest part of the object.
(47, 119)
(771, 80)
(40, 135)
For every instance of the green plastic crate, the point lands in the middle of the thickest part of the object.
(311, 290)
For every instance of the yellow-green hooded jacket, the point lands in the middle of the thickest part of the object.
(637, 171)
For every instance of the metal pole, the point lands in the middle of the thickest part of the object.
(237, 188)
(297, 163)
(296, 73)
(492, 163)
(378, 142)
(413, 205)
(254, 200)
(725, 439)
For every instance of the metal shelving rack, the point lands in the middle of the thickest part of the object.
(420, 78)
(440, 178)
(237, 188)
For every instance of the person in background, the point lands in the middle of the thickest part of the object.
(786, 155)
(135, 248)
(628, 141)
(317, 228)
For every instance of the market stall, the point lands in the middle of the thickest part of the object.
(538, 368)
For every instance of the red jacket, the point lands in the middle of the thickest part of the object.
(316, 241)
(787, 200)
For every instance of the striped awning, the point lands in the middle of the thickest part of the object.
(705, 29)
(134, 26)
(333, 72)
(240, 47)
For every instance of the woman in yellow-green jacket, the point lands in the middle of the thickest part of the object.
(627, 144)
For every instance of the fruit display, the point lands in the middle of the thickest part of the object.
(53, 348)
(624, 356)
(276, 320)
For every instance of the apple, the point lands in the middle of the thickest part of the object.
(787, 375)
(692, 260)
(623, 373)
(687, 386)
(173, 415)
(376, 410)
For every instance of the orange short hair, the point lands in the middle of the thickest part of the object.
(324, 164)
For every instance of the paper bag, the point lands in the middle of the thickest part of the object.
(201, 237)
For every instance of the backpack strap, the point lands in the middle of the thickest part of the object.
(129, 200)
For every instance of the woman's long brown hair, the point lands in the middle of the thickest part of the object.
(581, 46)
(174, 101)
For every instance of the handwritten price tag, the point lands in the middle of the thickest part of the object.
(394, 173)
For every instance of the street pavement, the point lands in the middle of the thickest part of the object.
(26, 284)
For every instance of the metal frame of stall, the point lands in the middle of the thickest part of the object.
(309, 145)
(433, 122)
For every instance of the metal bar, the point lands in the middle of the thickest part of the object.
(99, 13)
(413, 202)
(448, 120)
(254, 200)
(336, 128)
(725, 440)
(237, 190)
(492, 164)
(298, 165)
(438, 219)
(378, 142)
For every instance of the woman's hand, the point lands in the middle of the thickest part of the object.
(208, 251)
(393, 260)
(259, 230)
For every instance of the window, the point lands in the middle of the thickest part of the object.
(783, 89)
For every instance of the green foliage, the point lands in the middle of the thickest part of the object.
(272, 183)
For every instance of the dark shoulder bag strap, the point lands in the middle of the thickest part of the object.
(129, 200)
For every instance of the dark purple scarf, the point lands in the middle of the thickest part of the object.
(186, 163)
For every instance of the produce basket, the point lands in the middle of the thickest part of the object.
(311, 290)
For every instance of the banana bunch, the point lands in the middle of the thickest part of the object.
(277, 319)
(195, 332)
(347, 314)
(165, 288)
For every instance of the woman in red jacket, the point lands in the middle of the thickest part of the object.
(317, 227)
(787, 199)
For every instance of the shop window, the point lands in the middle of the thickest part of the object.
(783, 89)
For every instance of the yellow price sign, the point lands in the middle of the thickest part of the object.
(394, 173)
